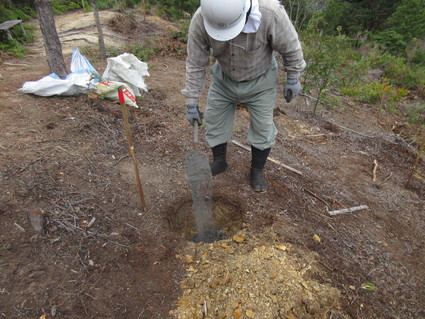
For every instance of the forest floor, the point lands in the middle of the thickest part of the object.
(76, 243)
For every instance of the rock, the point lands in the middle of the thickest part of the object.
(37, 220)
(250, 314)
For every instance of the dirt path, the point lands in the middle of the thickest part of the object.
(99, 255)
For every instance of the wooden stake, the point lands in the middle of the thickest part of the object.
(269, 158)
(131, 147)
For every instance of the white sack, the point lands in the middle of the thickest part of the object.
(53, 85)
(128, 69)
(81, 80)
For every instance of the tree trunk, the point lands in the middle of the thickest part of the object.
(99, 29)
(52, 44)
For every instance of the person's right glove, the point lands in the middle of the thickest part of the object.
(291, 89)
(193, 114)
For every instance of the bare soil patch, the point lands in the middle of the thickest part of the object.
(64, 165)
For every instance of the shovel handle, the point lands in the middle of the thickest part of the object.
(195, 133)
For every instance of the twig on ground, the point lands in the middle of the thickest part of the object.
(131, 226)
(316, 196)
(352, 131)
(119, 160)
(388, 177)
(375, 168)
(90, 224)
(22, 229)
(269, 158)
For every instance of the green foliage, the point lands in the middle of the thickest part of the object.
(61, 6)
(418, 58)
(301, 11)
(106, 4)
(330, 17)
(24, 13)
(416, 113)
(13, 47)
(382, 93)
(406, 24)
(356, 16)
(369, 286)
(16, 46)
(182, 34)
(177, 9)
(145, 51)
(398, 71)
(325, 57)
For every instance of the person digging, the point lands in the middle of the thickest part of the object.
(242, 36)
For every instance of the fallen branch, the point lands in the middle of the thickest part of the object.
(348, 210)
(269, 158)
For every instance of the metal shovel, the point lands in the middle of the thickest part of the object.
(198, 172)
(197, 166)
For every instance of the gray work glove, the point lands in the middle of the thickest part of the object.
(291, 89)
(193, 114)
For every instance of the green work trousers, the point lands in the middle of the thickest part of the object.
(259, 95)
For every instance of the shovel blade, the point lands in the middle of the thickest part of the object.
(197, 167)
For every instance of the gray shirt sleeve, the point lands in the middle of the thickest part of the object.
(197, 61)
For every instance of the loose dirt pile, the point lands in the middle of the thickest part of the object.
(252, 278)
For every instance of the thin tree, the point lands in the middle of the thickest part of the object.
(52, 44)
(99, 29)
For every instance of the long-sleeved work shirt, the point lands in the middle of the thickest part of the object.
(248, 55)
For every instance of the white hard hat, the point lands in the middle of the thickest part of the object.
(224, 19)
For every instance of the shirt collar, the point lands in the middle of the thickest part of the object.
(254, 19)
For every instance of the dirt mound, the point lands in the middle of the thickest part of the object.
(250, 278)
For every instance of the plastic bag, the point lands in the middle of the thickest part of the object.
(81, 80)
(53, 85)
(79, 63)
(128, 69)
(109, 90)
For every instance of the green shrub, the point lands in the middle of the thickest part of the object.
(182, 34)
(327, 58)
(13, 47)
(142, 52)
(12, 13)
(61, 6)
(381, 93)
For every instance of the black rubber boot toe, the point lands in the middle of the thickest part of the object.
(218, 167)
(258, 180)
(219, 164)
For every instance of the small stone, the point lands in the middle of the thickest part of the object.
(250, 313)
(281, 247)
(239, 239)
(188, 259)
(238, 313)
(316, 238)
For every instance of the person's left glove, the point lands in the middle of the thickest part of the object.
(193, 114)
(291, 89)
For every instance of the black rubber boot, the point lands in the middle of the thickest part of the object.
(258, 180)
(219, 164)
